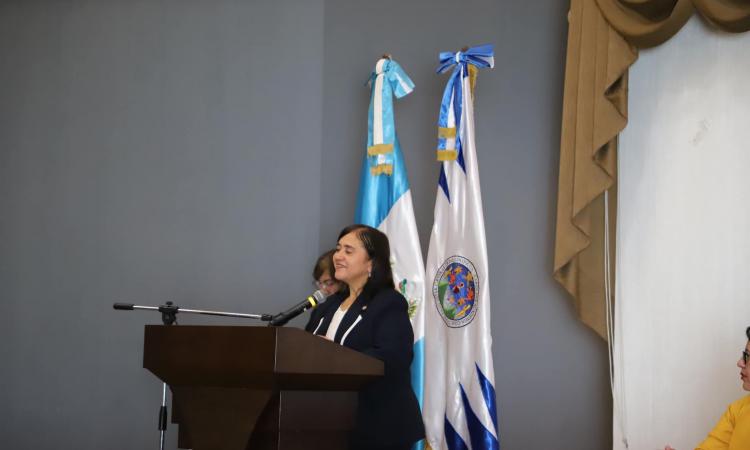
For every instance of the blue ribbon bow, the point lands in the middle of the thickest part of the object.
(449, 122)
(383, 172)
(381, 129)
(480, 56)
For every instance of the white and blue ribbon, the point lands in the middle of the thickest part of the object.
(449, 122)
(384, 159)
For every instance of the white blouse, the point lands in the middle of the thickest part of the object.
(335, 322)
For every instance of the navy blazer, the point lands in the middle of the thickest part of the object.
(387, 412)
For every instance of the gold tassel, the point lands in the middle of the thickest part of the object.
(472, 78)
(446, 133)
(447, 155)
(382, 169)
(379, 149)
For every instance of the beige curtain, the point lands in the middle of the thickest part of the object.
(603, 41)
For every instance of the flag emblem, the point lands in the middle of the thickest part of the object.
(403, 288)
(456, 291)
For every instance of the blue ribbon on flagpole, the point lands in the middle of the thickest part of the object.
(395, 83)
(379, 190)
(481, 56)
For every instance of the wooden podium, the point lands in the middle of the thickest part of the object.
(237, 388)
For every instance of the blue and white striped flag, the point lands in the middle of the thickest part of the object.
(459, 400)
(384, 200)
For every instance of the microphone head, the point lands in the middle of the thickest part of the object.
(319, 296)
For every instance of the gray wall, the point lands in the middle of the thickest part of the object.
(170, 150)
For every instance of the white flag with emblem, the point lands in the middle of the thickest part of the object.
(459, 399)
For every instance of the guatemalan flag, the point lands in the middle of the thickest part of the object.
(384, 200)
(459, 399)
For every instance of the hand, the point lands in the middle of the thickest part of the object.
(669, 447)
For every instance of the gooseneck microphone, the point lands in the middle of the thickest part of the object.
(279, 320)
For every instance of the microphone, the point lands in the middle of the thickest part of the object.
(279, 320)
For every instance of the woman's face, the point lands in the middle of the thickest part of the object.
(351, 263)
(744, 364)
(327, 284)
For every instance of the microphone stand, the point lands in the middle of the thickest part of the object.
(169, 317)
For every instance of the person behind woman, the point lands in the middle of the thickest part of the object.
(733, 430)
(323, 274)
(370, 316)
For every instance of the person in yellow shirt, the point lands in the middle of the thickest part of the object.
(733, 430)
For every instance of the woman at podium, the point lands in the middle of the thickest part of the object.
(370, 316)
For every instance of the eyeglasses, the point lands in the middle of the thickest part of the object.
(325, 284)
(745, 356)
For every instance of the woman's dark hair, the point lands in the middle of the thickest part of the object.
(378, 249)
(747, 332)
(324, 264)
